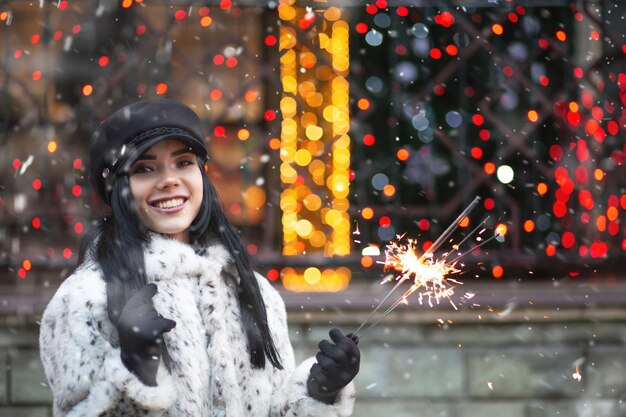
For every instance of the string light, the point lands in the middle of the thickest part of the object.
(314, 144)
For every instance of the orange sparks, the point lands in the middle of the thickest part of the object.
(430, 276)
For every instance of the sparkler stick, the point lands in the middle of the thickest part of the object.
(458, 245)
(444, 236)
(483, 243)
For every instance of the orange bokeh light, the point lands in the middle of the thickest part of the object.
(243, 134)
(598, 174)
(497, 271)
(215, 94)
(533, 116)
(601, 223)
(389, 190)
(251, 95)
(367, 261)
(274, 144)
(490, 168)
(363, 104)
(529, 226)
(87, 89)
(497, 29)
(367, 213)
(542, 188)
(402, 154)
(161, 88)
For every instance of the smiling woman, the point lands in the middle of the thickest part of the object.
(165, 311)
(166, 184)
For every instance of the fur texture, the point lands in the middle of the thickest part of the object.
(210, 375)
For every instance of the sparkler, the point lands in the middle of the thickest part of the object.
(431, 276)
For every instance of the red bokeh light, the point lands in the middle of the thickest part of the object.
(439, 89)
(269, 115)
(568, 240)
(598, 249)
(423, 224)
(270, 40)
(219, 131)
(435, 53)
(273, 274)
(445, 19)
(559, 209)
(361, 28)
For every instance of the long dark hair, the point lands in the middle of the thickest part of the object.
(121, 239)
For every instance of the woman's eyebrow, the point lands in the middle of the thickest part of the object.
(181, 151)
(175, 153)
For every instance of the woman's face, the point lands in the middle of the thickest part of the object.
(166, 184)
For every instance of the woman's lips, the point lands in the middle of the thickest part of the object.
(171, 205)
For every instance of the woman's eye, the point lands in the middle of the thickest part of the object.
(141, 170)
(185, 162)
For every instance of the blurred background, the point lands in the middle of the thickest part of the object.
(333, 128)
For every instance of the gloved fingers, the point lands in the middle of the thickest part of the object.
(326, 363)
(142, 296)
(353, 337)
(167, 324)
(334, 352)
(141, 312)
(344, 343)
(159, 325)
(318, 374)
(340, 340)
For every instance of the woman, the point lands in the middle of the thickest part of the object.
(164, 315)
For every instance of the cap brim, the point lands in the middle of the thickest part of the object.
(135, 151)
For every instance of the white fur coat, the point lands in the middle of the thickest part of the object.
(211, 374)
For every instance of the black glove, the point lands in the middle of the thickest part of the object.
(141, 330)
(337, 365)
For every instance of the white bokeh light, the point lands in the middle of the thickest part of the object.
(505, 174)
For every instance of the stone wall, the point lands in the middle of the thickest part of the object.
(493, 361)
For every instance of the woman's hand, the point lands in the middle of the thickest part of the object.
(141, 330)
(337, 365)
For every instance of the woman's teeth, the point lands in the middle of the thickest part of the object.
(170, 203)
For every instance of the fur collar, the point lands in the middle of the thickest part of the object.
(167, 258)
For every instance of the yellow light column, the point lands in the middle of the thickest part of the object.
(315, 145)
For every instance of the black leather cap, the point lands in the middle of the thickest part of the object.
(126, 134)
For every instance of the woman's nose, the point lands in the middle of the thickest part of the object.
(168, 179)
